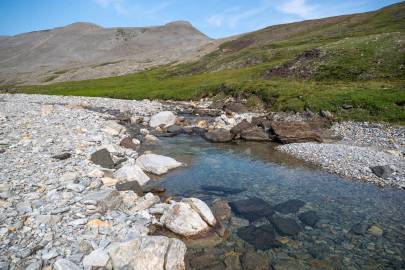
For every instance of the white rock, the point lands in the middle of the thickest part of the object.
(165, 118)
(130, 172)
(202, 209)
(129, 198)
(97, 258)
(148, 253)
(144, 131)
(182, 219)
(151, 138)
(157, 164)
(159, 208)
(75, 187)
(68, 177)
(96, 173)
(113, 128)
(63, 264)
(146, 202)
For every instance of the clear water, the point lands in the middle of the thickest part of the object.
(275, 177)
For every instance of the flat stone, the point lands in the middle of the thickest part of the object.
(221, 209)
(97, 258)
(218, 136)
(157, 164)
(285, 226)
(382, 171)
(63, 264)
(108, 199)
(295, 132)
(75, 187)
(148, 253)
(375, 230)
(309, 218)
(128, 142)
(290, 206)
(62, 156)
(131, 172)
(252, 209)
(255, 134)
(146, 202)
(131, 185)
(262, 237)
(244, 125)
(103, 158)
(255, 261)
(175, 129)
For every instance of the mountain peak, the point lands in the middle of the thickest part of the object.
(179, 23)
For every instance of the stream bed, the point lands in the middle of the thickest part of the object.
(360, 226)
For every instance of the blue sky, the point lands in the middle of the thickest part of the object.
(216, 18)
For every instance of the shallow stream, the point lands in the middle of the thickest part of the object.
(347, 209)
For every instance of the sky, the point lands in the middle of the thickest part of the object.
(215, 18)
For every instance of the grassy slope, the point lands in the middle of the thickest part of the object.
(362, 64)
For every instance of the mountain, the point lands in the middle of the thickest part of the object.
(84, 51)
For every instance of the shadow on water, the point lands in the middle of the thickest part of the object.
(262, 172)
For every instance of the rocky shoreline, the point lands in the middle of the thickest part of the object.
(76, 189)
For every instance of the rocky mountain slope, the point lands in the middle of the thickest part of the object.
(84, 51)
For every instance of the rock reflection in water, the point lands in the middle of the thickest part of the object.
(342, 224)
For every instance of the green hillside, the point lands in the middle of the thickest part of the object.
(319, 64)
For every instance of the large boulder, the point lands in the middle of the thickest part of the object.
(157, 164)
(182, 219)
(189, 217)
(244, 125)
(148, 253)
(165, 118)
(131, 172)
(254, 134)
(252, 209)
(295, 132)
(218, 136)
(262, 237)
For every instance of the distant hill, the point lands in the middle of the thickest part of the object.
(83, 51)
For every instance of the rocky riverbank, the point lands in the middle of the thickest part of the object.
(77, 188)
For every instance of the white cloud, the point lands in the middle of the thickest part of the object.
(118, 5)
(299, 8)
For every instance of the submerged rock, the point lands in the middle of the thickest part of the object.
(375, 230)
(290, 206)
(252, 209)
(285, 226)
(221, 209)
(224, 190)
(309, 218)
(165, 118)
(359, 228)
(255, 261)
(262, 237)
(175, 129)
(103, 158)
(157, 164)
(148, 253)
(218, 136)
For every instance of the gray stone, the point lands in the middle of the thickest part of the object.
(218, 136)
(108, 199)
(382, 171)
(63, 264)
(103, 158)
(97, 258)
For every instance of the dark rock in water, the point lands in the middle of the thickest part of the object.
(290, 206)
(221, 209)
(199, 131)
(360, 228)
(254, 134)
(236, 107)
(218, 136)
(285, 226)
(295, 132)
(153, 189)
(255, 261)
(262, 237)
(62, 156)
(309, 218)
(175, 129)
(131, 185)
(382, 171)
(103, 158)
(244, 125)
(252, 209)
(225, 190)
(128, 143)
